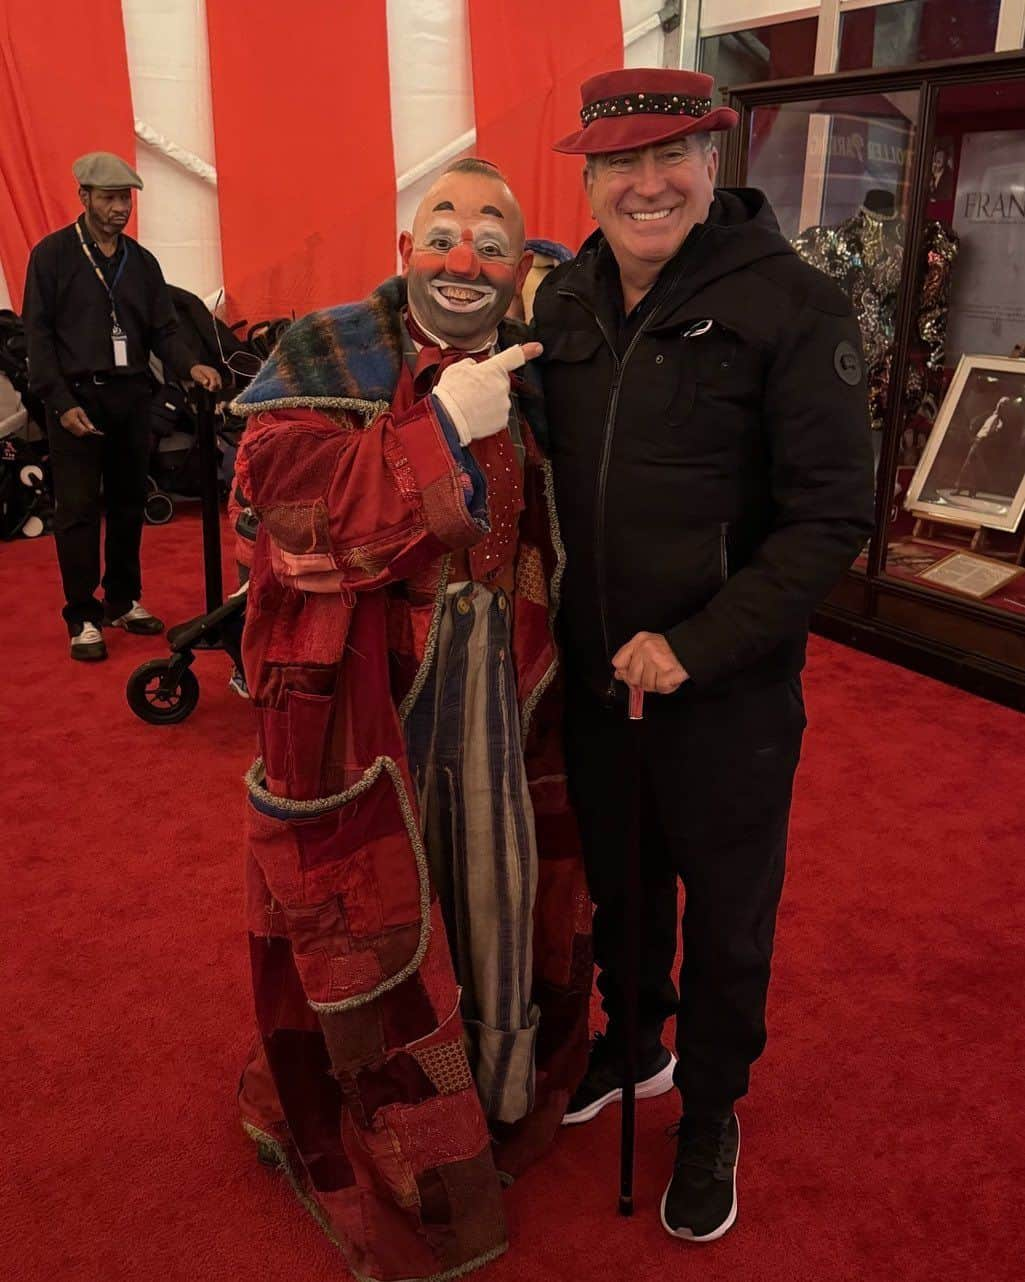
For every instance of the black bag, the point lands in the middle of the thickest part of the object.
(14, 363)
(13, 350)
(263, 337)
(175, 465)
(169, 410)
(200, 331)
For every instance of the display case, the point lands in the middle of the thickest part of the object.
(907, 187)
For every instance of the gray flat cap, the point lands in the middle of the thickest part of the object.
(104, 169)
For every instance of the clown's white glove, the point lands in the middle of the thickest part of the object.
(475, 395)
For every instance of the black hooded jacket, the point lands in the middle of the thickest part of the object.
(713, 465)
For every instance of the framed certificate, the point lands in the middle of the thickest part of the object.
(970, 574)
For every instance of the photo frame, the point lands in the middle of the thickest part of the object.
(972, 471)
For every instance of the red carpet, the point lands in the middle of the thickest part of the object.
(883, 1137)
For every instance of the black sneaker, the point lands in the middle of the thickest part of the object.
(138, 620)
(700, 1203)
(603, 1082)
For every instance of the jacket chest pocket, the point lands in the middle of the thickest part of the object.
(684, 365)
(709, 382)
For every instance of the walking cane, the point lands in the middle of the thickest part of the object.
(631, 952)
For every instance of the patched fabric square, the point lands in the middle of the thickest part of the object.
(298, 528)
(400, 1078)
(407, 1012)
(447, 1128)
(446, 1066)
(350, 976)
(531, 580)
(355, 1038)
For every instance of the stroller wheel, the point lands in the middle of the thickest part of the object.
(162, 692)
(158, 509)
(33, 527)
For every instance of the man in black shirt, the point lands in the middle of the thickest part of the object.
(96, 306)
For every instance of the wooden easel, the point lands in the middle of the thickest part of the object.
(958, 537)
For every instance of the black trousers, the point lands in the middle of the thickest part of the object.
(716, 777)
(118, 461)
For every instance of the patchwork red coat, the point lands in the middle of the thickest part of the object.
(359, 1087)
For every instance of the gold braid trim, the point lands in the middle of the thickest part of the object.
(369, 410)
(459, 1271)
(431, 646)
(278, 1149)
(264, 1140)
(555, 591)
(320, 805)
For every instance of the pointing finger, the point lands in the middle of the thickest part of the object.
(515, 357)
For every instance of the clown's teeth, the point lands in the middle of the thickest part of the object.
(648, 218)
(461, 299)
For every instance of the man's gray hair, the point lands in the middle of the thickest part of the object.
(703, 140)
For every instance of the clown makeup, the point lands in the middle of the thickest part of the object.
(464, 260)
(466, 268)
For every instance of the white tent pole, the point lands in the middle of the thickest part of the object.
(467, 140)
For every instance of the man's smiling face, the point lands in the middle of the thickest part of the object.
(646, 201)
(464, 258)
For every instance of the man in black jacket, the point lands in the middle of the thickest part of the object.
(96, 306)
(713, 476)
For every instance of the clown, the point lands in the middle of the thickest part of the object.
(416, 901)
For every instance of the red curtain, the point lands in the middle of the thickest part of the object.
(529, 59)
(306, 173)
(64, 90)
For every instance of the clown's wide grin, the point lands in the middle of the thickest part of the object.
(462, 297)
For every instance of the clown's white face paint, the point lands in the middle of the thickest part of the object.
(464, 259)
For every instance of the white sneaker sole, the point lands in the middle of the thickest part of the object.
(685, 1234)
(648, 1089)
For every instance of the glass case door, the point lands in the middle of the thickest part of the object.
(958, 462)
(838, 171)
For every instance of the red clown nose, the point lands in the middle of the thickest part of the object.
(462, 259)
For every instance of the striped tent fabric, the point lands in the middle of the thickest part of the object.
(281, 156)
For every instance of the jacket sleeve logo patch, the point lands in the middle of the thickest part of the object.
(847, 363)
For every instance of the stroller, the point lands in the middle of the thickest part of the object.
(175, 463)
(26, 502)
(26, 507)
(175, 468)
(166, 691)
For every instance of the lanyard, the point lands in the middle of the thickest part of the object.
(100, 276)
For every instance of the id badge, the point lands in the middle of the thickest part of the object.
(120, 340)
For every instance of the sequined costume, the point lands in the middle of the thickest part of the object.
(380, 1082)
(864, 255)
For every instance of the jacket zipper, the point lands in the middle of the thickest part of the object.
(603, 464)
(724, 559)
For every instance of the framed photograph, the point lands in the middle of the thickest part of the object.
(972, 471)
(941, 170)
(970, 574)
